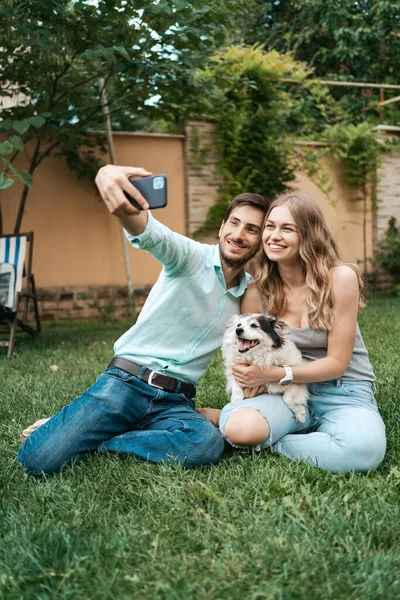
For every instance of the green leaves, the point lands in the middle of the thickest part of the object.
(358, 146)
(5, 182)
(36, 121)
(344, 41)
(389, 250)
(25, 177)
(57, 51)
(123, 51)
(180, 4)
(6, 148)
(5, 124)
(21, 126)
(17, 143)
(253, 114)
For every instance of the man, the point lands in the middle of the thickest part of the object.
(143, 403)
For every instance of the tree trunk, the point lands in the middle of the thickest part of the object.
(21, 209)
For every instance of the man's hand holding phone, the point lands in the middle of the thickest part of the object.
(153, 190)
(112, 181)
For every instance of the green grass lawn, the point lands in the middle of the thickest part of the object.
(250, 528)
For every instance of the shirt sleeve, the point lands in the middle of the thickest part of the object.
(173, 250)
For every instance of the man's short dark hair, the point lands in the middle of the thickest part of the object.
(247, 199)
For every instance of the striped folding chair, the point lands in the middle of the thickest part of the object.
(17, 287)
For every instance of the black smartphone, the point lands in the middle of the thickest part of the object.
(153, 189)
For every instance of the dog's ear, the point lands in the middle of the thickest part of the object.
(281, 327)
(267, 324)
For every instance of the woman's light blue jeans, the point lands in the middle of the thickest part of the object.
(343, 431)
(121, 413)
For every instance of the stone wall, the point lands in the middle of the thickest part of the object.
(388, 191)
(202, 177)
(87, 303)
(202, 183)
(388, 196)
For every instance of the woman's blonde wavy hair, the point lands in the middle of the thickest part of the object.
(319, 254)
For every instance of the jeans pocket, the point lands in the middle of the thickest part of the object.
(119, 374)
(189, 401)
(359, 391)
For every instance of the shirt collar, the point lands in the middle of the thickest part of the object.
(245, 278)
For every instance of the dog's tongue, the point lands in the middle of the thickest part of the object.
(245, 345)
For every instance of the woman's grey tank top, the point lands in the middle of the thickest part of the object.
(313, 344)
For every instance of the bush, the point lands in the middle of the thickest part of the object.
(389, 254)
(253, 109)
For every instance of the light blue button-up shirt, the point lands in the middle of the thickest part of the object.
(183, 320)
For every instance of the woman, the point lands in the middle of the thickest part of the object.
(303, 282)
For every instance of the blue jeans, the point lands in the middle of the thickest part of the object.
(121, 413)
(343, 431)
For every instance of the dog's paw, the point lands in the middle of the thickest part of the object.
(295, 398)
(301, 397)
(301, 414)
(236, 398)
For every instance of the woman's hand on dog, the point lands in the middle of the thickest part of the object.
(248, 375)
(252, 392)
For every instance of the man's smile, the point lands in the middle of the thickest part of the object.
(236, 244)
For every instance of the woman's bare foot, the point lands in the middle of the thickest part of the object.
(27, 432)
(211, 414)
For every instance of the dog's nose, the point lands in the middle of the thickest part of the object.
(239, 330)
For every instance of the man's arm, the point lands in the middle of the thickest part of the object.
(173, 250)
(112, 181)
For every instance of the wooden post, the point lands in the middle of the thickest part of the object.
(106, 112)
(381, 99)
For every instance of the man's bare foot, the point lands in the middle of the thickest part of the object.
(211, 414)
(27, 432)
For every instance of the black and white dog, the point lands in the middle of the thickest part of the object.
(263, 341)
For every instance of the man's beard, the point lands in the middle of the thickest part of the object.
(237, 262)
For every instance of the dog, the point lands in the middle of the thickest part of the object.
(264, 342)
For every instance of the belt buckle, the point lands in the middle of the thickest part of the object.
(151, 377)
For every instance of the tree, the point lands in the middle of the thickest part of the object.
(340, 39)
(55, 51)
(388, 254)
(253, 111)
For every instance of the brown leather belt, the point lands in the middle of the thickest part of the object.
(154, 378)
